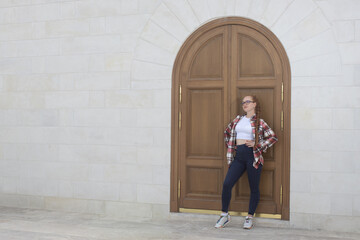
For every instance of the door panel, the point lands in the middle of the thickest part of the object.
(204, 136)
(256, 72)
(254, 60)
(203, 109)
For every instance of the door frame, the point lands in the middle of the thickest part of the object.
(175, 98)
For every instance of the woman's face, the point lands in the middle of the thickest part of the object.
(248, 105)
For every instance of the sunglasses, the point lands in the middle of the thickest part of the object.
(247, 102)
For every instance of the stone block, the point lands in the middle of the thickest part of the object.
(97, 100)
(321, 44)
(127, 117)
(201, 9)
(8, 151)
(344, 31)
(336, 97)
(66, 117)
(319, 161)
(160, 211)
(300, 182)
(341, 205)
(96, 63)
(343, 162)
(67, 10)
(169, 22)
(340, 183)
(127, 192)
(273, 11)
(310, 203)
(293, 15)
(301, 97)
(148, 6)
(96, 190)
(8, 49)
(67, 99)
(158, 194)
(64, 64)
(242, 7)
(129, 7)
(159, 37)
(16, 31)
(151, 84)
(313, 25)
(66, 189)
(148, 52)
(7, 15)
(306, 118)
(37, 187)
(126, 24)
(152, 155)
(35, 13)
(97, 154)
(301, 140)
(340, 10)
(184, 13)
(161, 174)
(128, 173)
(153, 118)
(29, 83)
(324, 65)
(257, 9)
(98, 25)
(350, 53)
(118, 62)
(129, 99)
(65, 28)
(15, 66)
(9, 185)
(338, 119)
(324, 140)
(96, 117)
(217, 8)
(99, 44)
(37, 152)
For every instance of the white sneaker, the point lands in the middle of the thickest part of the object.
(248, 224)
(223, 220)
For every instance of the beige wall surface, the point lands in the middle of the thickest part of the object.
(85, 93)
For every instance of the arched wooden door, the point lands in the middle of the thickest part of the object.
(217, 66)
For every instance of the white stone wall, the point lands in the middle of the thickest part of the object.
(85, 92)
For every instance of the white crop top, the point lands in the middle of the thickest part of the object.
(243, 129)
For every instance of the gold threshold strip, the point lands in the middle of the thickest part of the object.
(232, 213)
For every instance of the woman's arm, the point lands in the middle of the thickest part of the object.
(227, 133)
(268, 137)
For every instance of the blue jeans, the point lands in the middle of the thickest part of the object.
(243, 161)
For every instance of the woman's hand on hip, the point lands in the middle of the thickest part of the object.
(249, 143)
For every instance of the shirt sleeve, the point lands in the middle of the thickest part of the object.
(269, 137)
(227, 133)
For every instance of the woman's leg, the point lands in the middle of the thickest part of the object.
(235, 171)
(254, 182)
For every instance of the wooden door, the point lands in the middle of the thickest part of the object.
(214, 70)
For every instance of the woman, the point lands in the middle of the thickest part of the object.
(252, 137)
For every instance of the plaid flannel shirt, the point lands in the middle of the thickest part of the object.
(267, 138)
